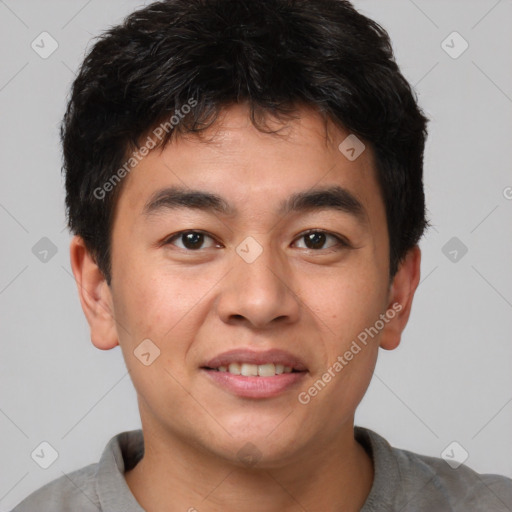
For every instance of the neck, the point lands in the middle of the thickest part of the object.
(175, 476)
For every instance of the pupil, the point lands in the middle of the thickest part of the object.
(317, 239)
(193, 240)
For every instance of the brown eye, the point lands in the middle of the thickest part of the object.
(190, 240)
(315, 240)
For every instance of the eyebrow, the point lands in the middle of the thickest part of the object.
(326, 198)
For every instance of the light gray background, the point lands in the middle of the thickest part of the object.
(451, 377)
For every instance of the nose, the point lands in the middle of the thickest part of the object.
(260, 293)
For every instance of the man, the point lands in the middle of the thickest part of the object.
(244, 182)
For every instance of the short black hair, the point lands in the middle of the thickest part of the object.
(274, 55)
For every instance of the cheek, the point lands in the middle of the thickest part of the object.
(351, 305)
(349, 299)
(160, 301)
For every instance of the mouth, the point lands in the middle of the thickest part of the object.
(255, 370)
(250, 374)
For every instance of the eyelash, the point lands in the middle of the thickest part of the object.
(342, 242)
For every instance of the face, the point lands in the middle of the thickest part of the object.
(260, 270)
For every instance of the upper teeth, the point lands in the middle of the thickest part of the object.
(253, 370)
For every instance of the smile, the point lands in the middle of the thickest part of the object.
(255, 370)
(248, 373)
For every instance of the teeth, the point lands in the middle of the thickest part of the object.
(234, 368)
(266, 370)
(253, 370)
(249, 370)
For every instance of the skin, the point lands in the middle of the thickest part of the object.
(197, 304)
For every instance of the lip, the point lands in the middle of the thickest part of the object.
(255, 387)
(275, 356)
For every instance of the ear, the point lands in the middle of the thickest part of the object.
(401, 294)
(95, 295)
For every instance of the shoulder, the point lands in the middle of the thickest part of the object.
(409, 481)
(96, 487)
(461, 487)
(74, 491)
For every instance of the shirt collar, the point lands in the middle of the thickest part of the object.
(122, 453)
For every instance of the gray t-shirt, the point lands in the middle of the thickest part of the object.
(404, 481)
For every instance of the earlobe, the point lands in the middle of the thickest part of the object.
(401, 296)
(95, 295)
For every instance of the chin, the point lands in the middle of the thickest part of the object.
(260, 447)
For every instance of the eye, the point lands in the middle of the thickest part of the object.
(191, 240)
(315, 239)
(194, 240)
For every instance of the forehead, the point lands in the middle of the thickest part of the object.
(235, 168)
